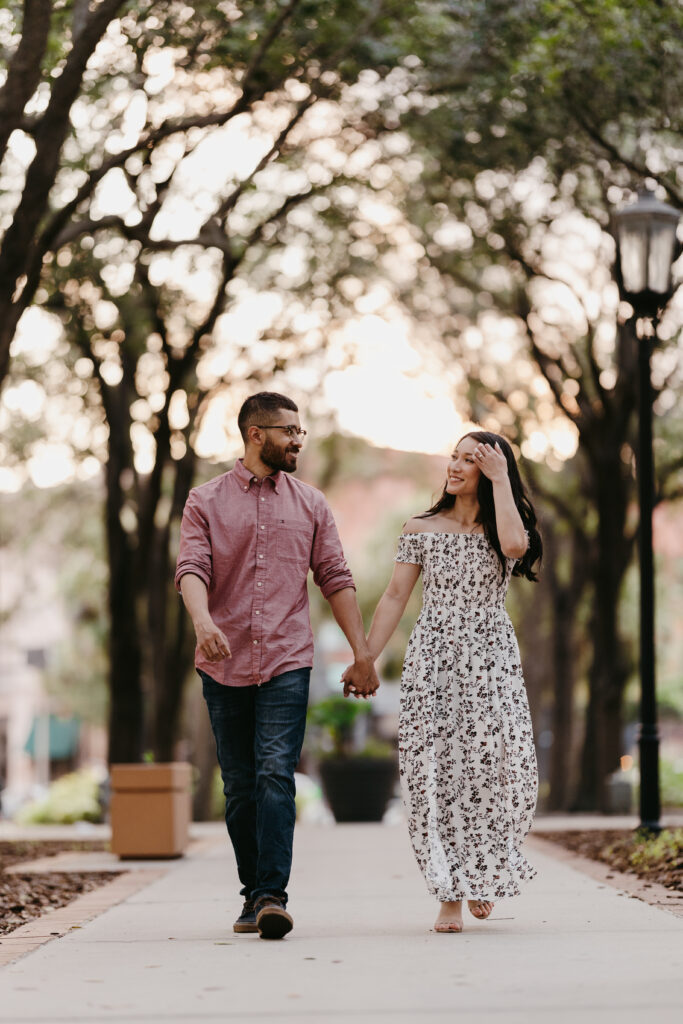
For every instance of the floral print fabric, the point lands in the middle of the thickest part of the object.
(467, 758)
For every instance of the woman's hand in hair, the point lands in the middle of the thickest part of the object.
(491, 461)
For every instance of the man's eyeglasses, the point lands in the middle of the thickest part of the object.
(294, 433)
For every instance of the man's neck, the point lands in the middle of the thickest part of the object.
(255, 466)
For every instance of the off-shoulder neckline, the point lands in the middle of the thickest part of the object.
(442, 533)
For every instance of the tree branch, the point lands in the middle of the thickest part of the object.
(268, 39)
(23, 73)
(229, 202)
(639, 170)
(20, 252)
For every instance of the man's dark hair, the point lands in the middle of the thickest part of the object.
(262, 408)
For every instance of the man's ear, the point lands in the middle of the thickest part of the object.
(254, 436)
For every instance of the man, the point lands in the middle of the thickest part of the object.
(248, 539)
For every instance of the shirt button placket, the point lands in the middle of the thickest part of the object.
(257, 596)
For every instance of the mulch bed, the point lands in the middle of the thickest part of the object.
(658, 859)
(23, 897)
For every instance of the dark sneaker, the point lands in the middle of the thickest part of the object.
(246, 922)
(272, 920)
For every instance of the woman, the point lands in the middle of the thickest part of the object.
(468, 765)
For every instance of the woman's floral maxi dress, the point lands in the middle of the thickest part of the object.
(467, 758)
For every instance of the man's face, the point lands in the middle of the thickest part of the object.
(279, 450)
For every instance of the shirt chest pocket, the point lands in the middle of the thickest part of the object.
(293, 540)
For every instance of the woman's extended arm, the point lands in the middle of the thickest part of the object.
(388, 613)
(391, 606)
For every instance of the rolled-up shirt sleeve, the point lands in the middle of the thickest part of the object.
(194, 553)
(330, 571)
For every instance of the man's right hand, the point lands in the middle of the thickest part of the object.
(211, 641)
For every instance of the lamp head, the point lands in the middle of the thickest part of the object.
(647, 248)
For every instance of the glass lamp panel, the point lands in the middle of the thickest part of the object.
(633, 254)
(660, 256)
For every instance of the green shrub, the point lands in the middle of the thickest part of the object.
(336, 717)
(652, 851)
(671, 778)
(73, 797)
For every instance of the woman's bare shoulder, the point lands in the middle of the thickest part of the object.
(414, 525)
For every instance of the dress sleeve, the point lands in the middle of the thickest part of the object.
(409, 548)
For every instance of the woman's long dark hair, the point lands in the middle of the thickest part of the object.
(487, 511)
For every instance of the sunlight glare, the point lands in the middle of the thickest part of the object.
(50, 464)
(385, 399)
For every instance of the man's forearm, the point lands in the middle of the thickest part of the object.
(196, 598)
(347, 613)
(212, 642)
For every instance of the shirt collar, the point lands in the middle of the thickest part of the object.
(246, 477)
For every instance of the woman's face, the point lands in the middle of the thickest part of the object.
(463, 474)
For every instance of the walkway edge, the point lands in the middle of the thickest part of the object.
(634, 887)
(56, 923)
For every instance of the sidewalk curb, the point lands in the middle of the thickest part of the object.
(633, 886)
(56, 923)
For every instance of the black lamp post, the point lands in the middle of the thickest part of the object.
(647, 247)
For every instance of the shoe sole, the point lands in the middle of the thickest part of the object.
(273, 923)
(243, 929)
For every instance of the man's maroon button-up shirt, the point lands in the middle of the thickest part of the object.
(252, 543)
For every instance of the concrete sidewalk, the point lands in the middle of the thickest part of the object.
(362, 950)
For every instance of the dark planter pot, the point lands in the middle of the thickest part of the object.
(358, 788)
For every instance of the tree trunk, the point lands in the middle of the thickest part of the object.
(609, 671)
(566, 598)
(176, 662)
(126, 706)
(125, 691)
(173, 651)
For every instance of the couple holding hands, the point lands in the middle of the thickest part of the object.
(467, 760)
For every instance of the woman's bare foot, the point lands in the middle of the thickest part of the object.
(480, 908)
(450, 917)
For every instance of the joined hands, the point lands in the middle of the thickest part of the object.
(360, 679)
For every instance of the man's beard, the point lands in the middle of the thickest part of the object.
(277, 459)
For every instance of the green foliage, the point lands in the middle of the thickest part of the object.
(669, 641)
(336, 716)
(671, 782)
(652, 851)
(73, 797)
(536, 78)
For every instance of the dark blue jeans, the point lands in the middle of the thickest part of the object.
(259, 731)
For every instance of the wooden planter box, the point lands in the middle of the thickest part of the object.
(150, 809)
